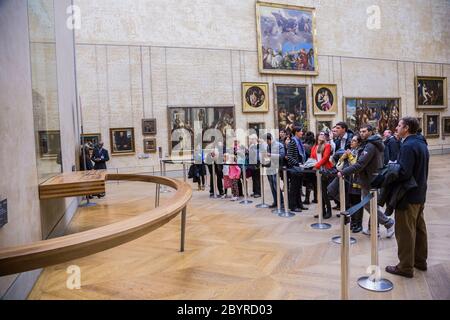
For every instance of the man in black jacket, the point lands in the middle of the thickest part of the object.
(410, 230)
(392, 147)
(367, 166)
(100, 157)
(295, 157)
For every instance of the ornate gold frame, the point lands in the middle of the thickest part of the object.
(416, 96)
(259, 42)
(111, 142)
(316, 111)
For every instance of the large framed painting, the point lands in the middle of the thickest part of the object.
(286, 39)
(381, 113)
(184, 122)
(49, 143)
(291, 106)
(325, 100)
(431, 93)
(150, 145)
(431, 125)
(255, 97)
(446, 126)
(122, 141)
(148, 126)
(324, 125)
(91, 138)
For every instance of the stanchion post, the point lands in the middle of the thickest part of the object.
(342, 198)
(320, 224)
(244, 177)
(374, 282)
(164, 189)
(184, 172)
(345, 255)
(157, 195)
(286, 213)
(278, 200)
(261, 177)
(183, 229)
(214, 178)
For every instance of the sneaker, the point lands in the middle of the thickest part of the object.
(224, 196)
(234, 199)
(367, 232)
(390, 232)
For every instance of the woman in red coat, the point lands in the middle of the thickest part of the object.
(322, 153)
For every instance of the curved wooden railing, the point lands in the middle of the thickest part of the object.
(54, 251)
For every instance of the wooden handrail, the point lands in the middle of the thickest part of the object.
(54, 251)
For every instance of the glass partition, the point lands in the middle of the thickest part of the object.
(45, 87)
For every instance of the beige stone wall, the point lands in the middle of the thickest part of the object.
(18, 182)
(50, 60)
(137, 57)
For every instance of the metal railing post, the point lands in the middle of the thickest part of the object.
(214, 178)
(320, 224)
(244, 187)
(286, 213)
(374, 282)
(157, 195)
(261, 177)
(342, 198)
(183, 229)
(278, 199)
(345, 255)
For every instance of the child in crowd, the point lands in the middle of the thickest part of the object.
(234, 173)
(227, 182)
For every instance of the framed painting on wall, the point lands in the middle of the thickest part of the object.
(381, 113)
(150, 145)
(148, 126)
(49, 143)
(291, 106)
(431, 126)
(324, 125)
(185, 121)
(255, 97)
(446, 126)
(286, 39)
(91, 138)
(256, 127)
(325, 99)
(122, 141)
(431, 92)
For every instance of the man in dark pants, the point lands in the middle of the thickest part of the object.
(216, 156)
(391, 147)
(295, 157)
(272, 160)
(254, 162)
(100, 157)
(410, 227)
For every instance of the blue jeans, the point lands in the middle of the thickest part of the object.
(273, 188)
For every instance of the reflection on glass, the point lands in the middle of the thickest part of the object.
(45, 89)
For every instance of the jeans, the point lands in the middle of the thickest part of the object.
(273, 188)
(382, 218)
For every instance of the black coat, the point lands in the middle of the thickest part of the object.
(414, 161)
(100, 157)
(369, 162)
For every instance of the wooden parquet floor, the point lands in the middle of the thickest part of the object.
(236, 251)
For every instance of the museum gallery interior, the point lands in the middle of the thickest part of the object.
(224, 150)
